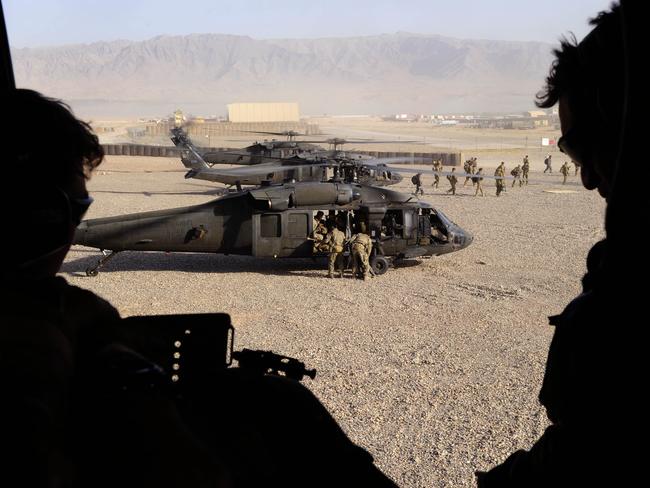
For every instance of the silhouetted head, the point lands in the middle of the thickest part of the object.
(49, 155)
(319, 214)
(587, 80)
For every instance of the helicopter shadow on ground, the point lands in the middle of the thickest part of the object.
(192, 263)
(407, 263)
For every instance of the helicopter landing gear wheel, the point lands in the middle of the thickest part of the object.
(380, 265)
(92, 271)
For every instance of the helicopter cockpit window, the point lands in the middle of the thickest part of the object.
(439, 225)
(270, 226)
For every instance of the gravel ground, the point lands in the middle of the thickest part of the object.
(433, 367)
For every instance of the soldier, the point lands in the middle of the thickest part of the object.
(467, 167)
(477, 180)
(361, 247)
(596, 361)
(547, 162)
(500, 173)
(54, 334)
(564, 169)
(516, 172)
(417, 181)
(334, 240)
(319, 232)
(525, 168)
(437, 167)
(474, 164)
(576, 167)
(452, 181)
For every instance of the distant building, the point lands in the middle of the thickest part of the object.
(263, 112)
(179, 118)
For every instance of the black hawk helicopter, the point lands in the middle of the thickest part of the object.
(278, 221)
(277, 165)
(256, 153)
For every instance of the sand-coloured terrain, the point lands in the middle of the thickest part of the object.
(433, 367)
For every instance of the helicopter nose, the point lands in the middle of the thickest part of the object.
(468, 239)
(461, 238)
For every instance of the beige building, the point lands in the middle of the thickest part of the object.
(263, 112)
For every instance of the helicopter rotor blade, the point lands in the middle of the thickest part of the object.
(300, 163)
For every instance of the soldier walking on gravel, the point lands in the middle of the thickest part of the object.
(467, 167)
(525, 168)
(548, 162)
(477, 180)
(437, 167)
(417, 181)
(452, 181)
(516, 173)
(564, 169)
(500, 174)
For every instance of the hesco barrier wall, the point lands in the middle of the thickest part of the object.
(448, 158)
(217, 129)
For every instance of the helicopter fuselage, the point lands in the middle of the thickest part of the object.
(278, 221)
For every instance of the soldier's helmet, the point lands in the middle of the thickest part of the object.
(319, 214)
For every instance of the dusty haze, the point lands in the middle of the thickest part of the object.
(392, 73)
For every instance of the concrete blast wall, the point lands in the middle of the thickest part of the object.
(448, 158)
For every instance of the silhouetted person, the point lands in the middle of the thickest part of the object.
(50, 331)
(591, 378)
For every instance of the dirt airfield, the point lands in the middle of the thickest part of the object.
(433, 367)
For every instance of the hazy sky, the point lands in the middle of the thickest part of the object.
(53, 22)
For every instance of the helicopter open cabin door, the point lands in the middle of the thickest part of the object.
(267, 235)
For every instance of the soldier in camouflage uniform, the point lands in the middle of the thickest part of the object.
(319, 232)
(334, 240)
(576, 167)
(564, 169)
(500, 174)
(452, 181)
(516, 172)
(437, 167)
(361, 247)
(467, 167)
(417, 181)
(477, 180)
(525, 168)
(548, 162)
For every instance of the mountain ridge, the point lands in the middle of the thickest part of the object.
(385, 73)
